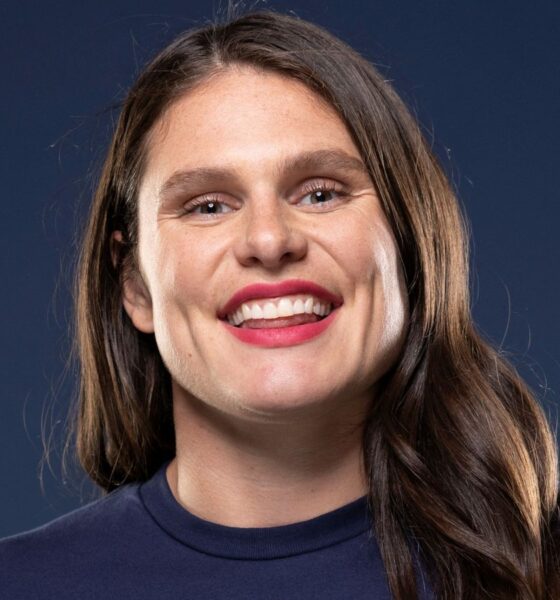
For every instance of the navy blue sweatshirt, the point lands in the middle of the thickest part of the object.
(139, 542)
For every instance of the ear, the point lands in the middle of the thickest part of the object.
(135, 295)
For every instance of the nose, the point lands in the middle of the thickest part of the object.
(270, 236)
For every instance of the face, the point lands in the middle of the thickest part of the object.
(253, 179)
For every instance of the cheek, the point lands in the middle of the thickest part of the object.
(391, 304)
(395, 304)
(372, 261)
(177, 273)
(172, 288)
(187, 277)
(366, 249)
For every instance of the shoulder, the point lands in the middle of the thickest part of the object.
(90, 520)
(70, 544)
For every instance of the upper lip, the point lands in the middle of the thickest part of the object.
(274, 290)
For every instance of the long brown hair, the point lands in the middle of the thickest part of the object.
(460, 459)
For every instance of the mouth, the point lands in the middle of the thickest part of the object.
(283, 304)
(287, 311)
(280, 314)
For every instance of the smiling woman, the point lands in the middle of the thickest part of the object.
(283, 391)
(278, 142)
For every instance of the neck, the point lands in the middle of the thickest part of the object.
(241, 472)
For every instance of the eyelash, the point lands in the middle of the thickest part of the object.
(322, 186)
(308, 189)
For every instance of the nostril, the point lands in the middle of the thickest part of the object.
(269, 240)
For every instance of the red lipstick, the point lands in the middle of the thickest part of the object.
(278, 337)
(275, 337)
(275, 290)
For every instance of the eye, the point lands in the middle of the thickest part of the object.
(206, 206)
(320, 193)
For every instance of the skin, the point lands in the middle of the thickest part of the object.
(265, 436)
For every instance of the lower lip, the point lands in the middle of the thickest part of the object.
(278, 337)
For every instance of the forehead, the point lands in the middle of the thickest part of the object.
(246, 119)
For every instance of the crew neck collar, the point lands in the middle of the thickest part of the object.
(250, 543)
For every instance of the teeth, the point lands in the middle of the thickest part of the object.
(256, 312)
(247, 313)
(285, 307)
(321, 309)
(270, 311)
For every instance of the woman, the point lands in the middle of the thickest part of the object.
(282, 387)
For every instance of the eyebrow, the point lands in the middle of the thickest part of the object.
(320, 160)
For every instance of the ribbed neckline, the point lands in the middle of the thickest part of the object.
(250, 543)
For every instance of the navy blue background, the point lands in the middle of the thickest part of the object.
(483, 78)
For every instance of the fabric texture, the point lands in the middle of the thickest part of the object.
(139, 542)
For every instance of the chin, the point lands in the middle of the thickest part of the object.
(276, 402)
